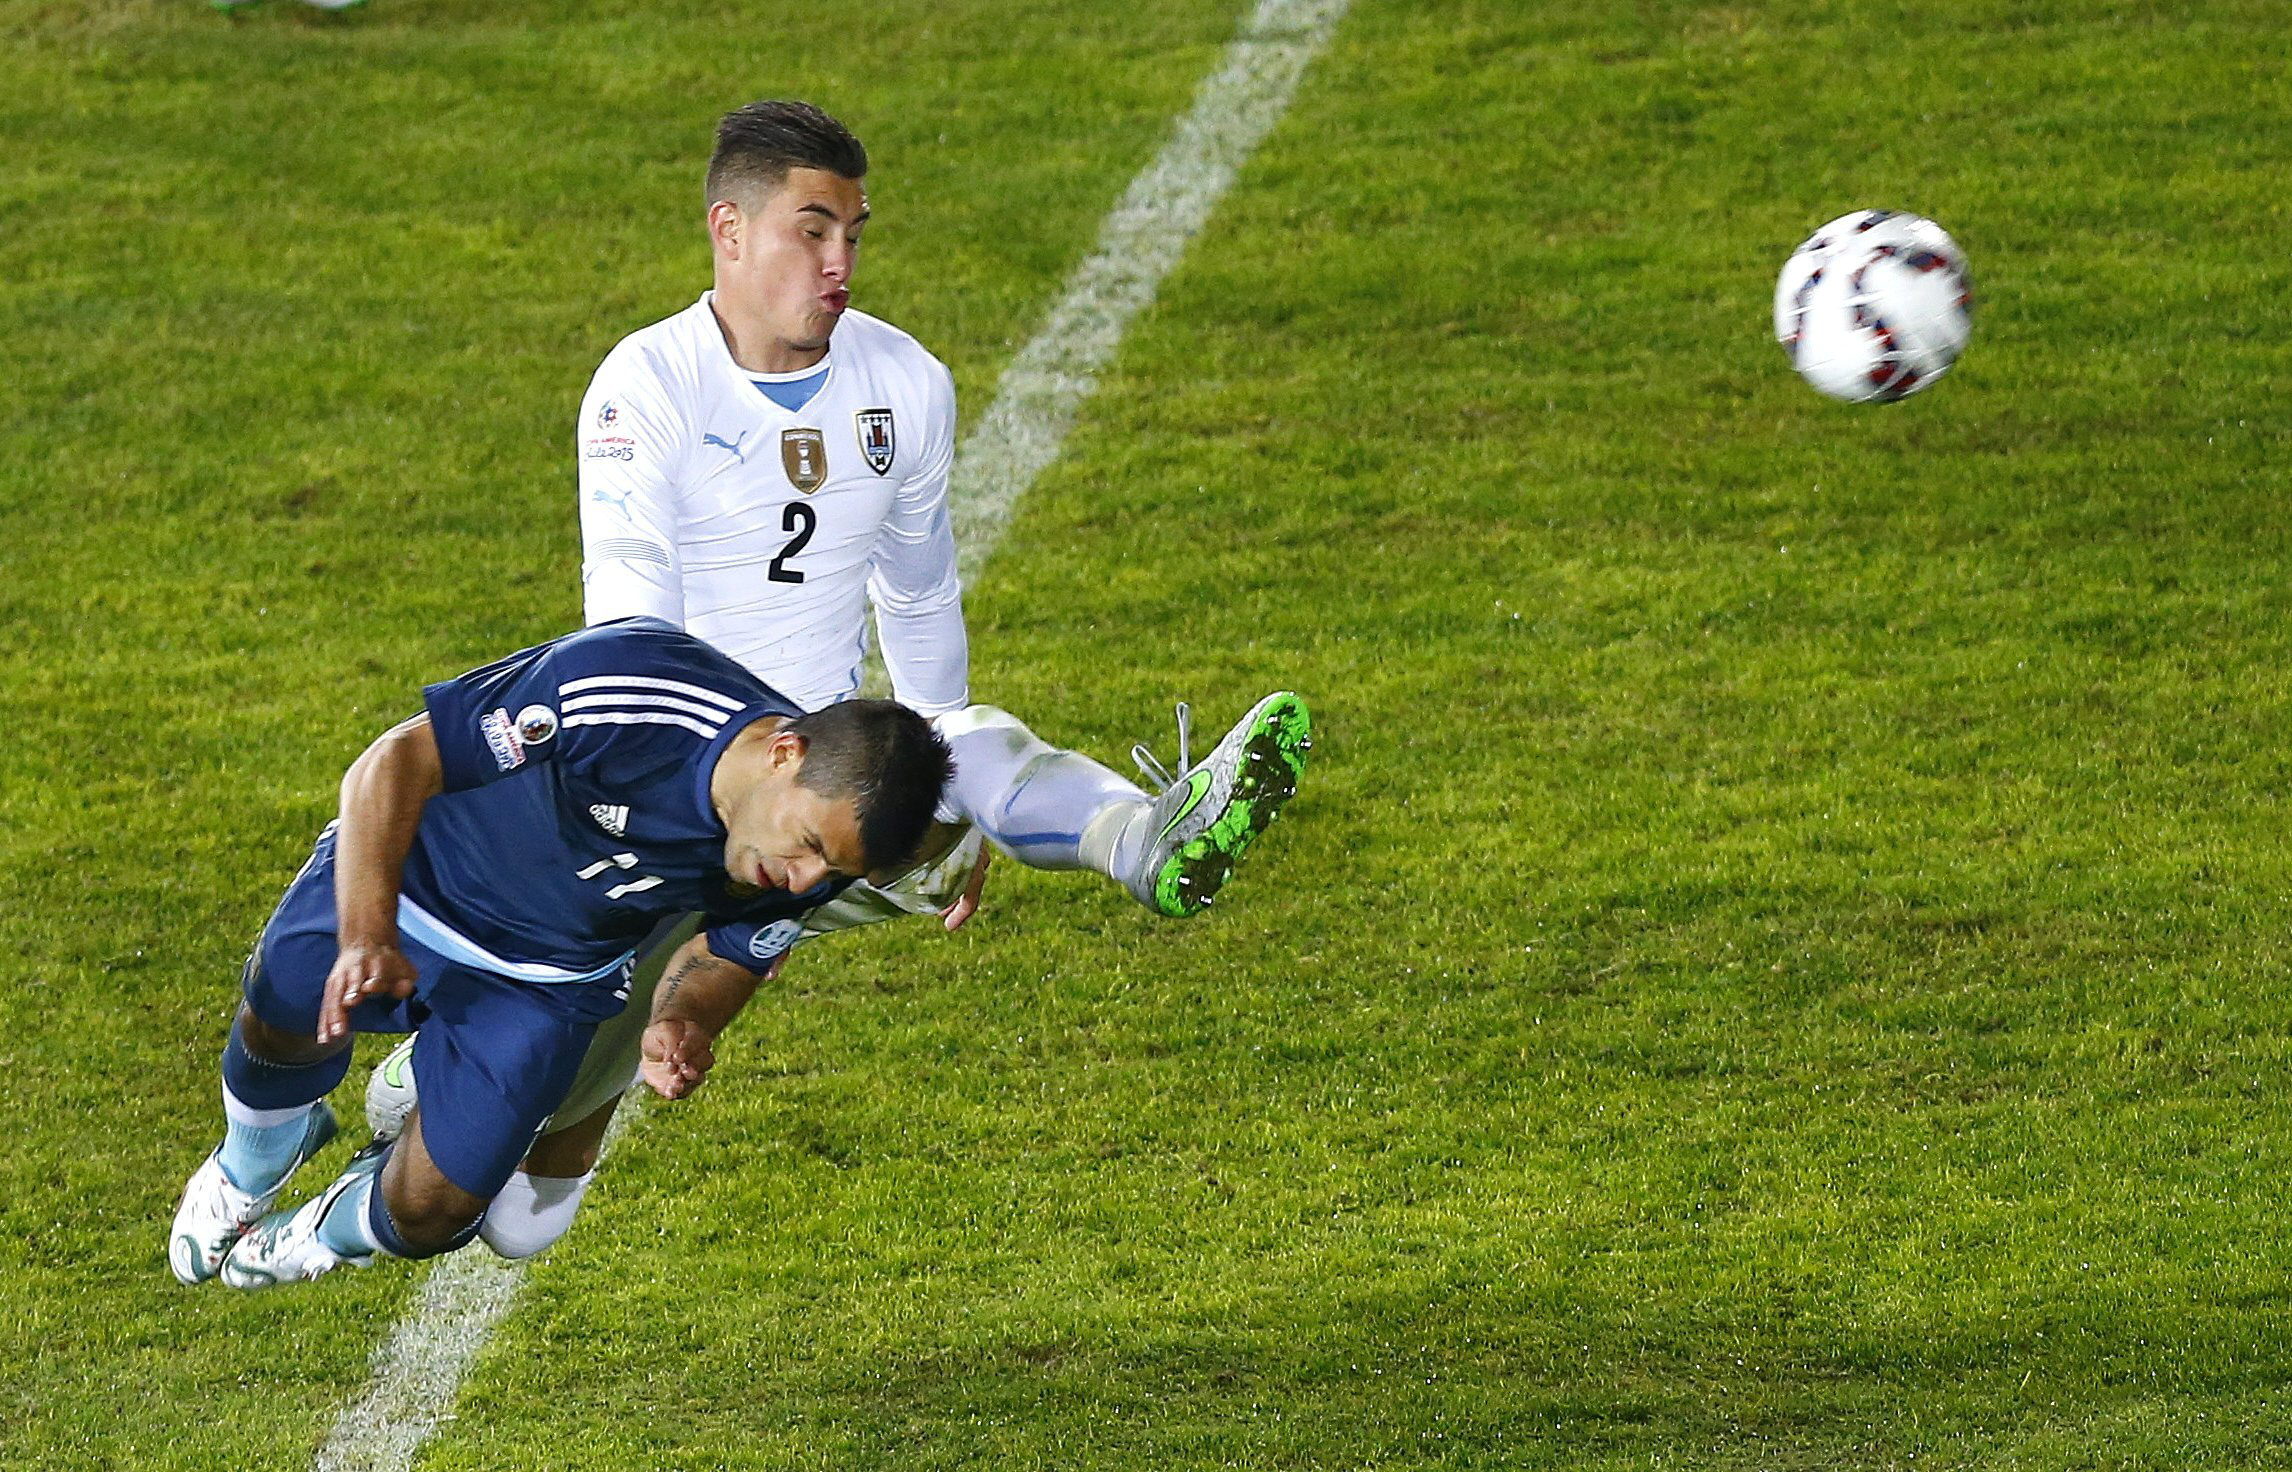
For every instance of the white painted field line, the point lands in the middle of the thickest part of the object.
(1158, 217)
(419, 1369)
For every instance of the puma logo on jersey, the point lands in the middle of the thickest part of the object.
(613, 818)
(732, 444)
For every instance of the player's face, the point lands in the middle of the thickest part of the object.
(783, 835)
(792, 256)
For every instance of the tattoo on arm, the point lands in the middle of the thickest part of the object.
(700, 986)
(674, 982)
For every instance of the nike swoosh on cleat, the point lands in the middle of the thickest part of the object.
(1200, 783)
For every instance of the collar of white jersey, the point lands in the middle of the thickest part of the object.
(713, 329)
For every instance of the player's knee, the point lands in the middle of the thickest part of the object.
(274, 1044)
(972, 718)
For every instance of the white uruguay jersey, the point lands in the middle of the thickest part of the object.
(767, 531)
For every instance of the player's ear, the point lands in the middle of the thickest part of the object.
(725, 227)
(788, 750)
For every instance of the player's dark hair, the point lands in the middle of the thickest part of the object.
(758, 144)
(888, 761)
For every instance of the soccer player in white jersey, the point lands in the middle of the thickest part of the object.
(764, 466)
(761, 467)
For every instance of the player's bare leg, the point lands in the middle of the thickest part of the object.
(392, 1200)
(538, 1205)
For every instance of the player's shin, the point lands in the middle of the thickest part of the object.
(1050, 809)
(383, 1227)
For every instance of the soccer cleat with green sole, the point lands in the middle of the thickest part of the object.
(1210, 812)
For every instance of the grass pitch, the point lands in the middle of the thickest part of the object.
(1777, 964)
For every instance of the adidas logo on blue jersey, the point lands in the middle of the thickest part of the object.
(613, 819)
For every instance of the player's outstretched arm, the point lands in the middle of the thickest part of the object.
(383, 795)
(699, 993)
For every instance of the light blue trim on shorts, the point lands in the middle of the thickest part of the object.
(434, 934)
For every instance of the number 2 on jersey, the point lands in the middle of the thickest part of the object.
(802, 520)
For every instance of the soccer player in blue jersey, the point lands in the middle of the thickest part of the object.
(498, 861)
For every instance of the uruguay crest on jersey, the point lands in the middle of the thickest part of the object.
(875, 437)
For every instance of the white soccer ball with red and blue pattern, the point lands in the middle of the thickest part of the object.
(1875, 306)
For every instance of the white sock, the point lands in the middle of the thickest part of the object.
(531, 1212)
(1110, 843)
(1050, 809)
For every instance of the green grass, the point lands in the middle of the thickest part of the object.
(1779, 962)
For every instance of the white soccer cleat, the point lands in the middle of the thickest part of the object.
(390, 1095)
(215, 1214)
(1211, 811)
(284, 1247)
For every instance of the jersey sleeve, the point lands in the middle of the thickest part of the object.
(754, 944)
(533, 707)
(630, 450)
(912, 579)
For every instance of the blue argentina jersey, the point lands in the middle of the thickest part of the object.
(576, 812)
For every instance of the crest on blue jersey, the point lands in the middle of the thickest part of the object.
(775, 940)
(876, 442)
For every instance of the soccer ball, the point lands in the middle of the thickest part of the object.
(1874, 306)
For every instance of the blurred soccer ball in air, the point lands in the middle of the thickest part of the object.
(1875, 306)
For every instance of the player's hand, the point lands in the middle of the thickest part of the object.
(967, 904)
(678, 1055)
(361, 972)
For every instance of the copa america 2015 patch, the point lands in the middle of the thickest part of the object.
(501, 739)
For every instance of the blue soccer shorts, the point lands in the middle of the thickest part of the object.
(495, 1055)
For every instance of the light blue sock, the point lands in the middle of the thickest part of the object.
(260, 1145)
(343, 1228)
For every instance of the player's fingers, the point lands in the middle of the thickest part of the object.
(967, 905)
(333, 1014)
